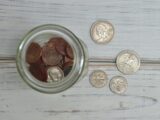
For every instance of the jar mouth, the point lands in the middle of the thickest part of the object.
(39, 34)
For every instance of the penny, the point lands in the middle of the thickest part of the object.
(66, 59)
(55, 74)
(102, 32)
(98, 79)
(50, 56)
(128, 62)
(61, 45)
(38, 70)
(51, 43)
(69, 51)
(67, 70)
(118, 85)
(33, 52)
(67, 64)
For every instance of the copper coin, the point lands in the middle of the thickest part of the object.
(67, 64)
(50, 56)
(38, 70)
(66, 59)
(52, 42)
(33, 53)
(60, 64)
(61, 45)
(69, 51)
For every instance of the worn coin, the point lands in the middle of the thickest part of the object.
(50, 56)
(128, 62)
(61, 45)
(38, 70)
(98, 78)
(33, 53)
(55, 74)
(102, 32)
(69, 51)
(118, 85)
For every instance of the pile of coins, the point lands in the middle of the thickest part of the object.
(51, 62)
(127, 61)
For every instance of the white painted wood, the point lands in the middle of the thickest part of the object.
(137, 27)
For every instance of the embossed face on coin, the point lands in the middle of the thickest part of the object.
(55, 74)
(118, 85)
(102, 32)
(98, 78)
(128, 62)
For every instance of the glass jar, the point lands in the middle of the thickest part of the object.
(40, 35)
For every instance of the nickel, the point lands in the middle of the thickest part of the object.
(128, 62)
(102, 32)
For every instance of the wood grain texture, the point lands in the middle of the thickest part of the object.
(136, 27)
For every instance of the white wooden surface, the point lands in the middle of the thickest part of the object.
(137, 25)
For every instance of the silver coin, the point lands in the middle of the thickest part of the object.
(118, 85)
(55, 74)
(128, 62)
(98, 78)
(102, 32)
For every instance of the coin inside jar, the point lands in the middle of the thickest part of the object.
(69, 51)
(33, 52)
(50, 56)
(55, 74)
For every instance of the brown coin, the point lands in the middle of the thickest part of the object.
(67, 64)
(38, 70)
(52, 43)
(60, 64)
(67, 70)
(69, 51)
(50, 56)
(66, 59)
(61, 45)
(33, 53)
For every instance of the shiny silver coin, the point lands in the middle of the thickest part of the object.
(118, 85)
(55, 74)
(102, 32)
(98, 78)
(128, 62)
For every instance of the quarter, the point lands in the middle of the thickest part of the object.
(98, 79)
(128, 62)
(102, 32)
(118, 85)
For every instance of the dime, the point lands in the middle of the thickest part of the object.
(69, 51)
(38, 70)
(33, 53)
(118, 85)
(55, 74)
(102, 32)
(128, 62)
(50, 56)
(98, 78)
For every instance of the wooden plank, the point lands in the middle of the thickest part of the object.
(82, 101)
(136, 23)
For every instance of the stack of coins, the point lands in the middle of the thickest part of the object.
(52, 61)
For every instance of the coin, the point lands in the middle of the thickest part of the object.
(69, 51)
(118, 85)
(51, 43)
(61, 45)
(67, 64)
(55, 74)
(50, 56)
(102, 32)
(38, 70)
(33, 52)
(66, 59)
(128, 62)
(98, 78)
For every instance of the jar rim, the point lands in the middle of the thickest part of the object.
(79, 60)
